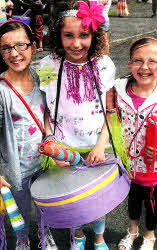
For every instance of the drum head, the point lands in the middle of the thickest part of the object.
(58, 181)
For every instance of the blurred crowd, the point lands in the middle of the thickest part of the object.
(32, 12)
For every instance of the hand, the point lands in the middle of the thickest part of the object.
(148, 153)
(3, 183)
(62, 164)
(95, 156)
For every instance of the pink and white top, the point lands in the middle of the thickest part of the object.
(80, 117)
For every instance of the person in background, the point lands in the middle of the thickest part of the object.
(4, 7)
(37, 23)
(154, 7)
(107, 5)
(122, 8)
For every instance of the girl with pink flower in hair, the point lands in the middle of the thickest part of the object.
(77, 43)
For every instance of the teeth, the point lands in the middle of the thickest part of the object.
(144, 75)
(76, 52)
(16, 62)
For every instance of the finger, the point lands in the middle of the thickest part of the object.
(3, 183)
(90, 159)
(62, 163)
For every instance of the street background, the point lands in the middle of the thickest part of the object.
(123, 32)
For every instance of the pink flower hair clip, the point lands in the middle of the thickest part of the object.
(91, 16)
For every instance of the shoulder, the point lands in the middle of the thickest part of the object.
(48, 60)
(105, 61)
(120, 83)
(107, 71)
(107, 67)
(5, 96)
(48, 66)
(35, 76)
(120, 86)
(3, 85)
(48, 71)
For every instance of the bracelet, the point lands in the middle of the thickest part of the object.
(48, 137)
(110, 111)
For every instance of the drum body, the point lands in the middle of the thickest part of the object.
(71, 197)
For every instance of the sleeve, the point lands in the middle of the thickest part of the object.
(1, 111)
(107, 71)
(46, 72)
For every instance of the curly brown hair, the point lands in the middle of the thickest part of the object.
(97, 47)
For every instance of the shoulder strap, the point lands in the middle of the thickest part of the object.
(58, 93)
(107, 125)
(24, 102)
(101, 103)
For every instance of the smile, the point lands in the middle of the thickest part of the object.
(76, 52)
(144, 75)
(17, 61)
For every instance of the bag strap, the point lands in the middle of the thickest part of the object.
(105, 119)
(24, 102)
(58, 93)
(102, 106)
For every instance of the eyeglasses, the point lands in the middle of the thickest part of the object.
(139, 63)
(18, 47)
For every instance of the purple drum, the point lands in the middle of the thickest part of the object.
(74, 196)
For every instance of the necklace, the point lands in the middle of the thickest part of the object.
(74, 74)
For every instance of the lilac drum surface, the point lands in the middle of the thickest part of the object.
(70, 197)
(2, 233)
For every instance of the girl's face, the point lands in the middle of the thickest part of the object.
(75, 40)
(143, 65)
(18, 58)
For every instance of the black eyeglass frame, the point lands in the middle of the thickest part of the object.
(14, 47)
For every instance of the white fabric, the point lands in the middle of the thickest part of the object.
(131, 120)
(80, 124)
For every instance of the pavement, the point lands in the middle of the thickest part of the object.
(123, 32)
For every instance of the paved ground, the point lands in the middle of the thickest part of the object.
(124, 31)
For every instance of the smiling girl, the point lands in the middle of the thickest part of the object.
(19, 133)
(136, 101)
(80, 123)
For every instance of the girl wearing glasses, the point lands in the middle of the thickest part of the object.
(19, 133)
(136, 102)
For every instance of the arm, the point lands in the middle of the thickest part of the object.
(97, 154)
(48, 131)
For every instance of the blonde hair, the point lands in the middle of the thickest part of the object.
(140, 43)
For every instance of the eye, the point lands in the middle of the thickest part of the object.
(5, 48)
(21, 45)
(153, 62)
(84, 35)
(68, 35)
(137, 62)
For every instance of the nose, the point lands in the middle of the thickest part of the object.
(13, 52)
(145, 65)
(76, 43)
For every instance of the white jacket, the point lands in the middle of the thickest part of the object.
(132, 119)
